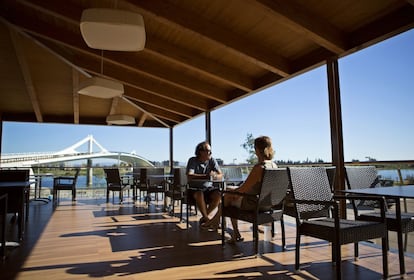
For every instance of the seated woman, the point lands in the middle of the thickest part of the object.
(264, 153)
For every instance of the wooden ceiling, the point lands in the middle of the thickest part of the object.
(199, 55)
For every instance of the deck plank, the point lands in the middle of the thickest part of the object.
(97, 239)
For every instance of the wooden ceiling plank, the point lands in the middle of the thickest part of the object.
(299, 19)
(169, 14)
(39, 31)
(167, 105)
(193, 62)
(392, 24)
(26, 75)
(144, 83)
(166, 75)
(124, 60)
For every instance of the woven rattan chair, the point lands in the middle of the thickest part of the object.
(176, 190)
(317, 215)
(114, 183)
(358, 177)
(156, 184)
(269, 207)
(68, 183)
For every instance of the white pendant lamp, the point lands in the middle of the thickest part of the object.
(101, 88)
(111, 29)
(120, 119)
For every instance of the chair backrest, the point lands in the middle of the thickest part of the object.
(360, 177)
(112, 176)
(274, 187)
(136, 174)
(75, 178)
(232, 172)
(152, 181)
(331, 171)
(310, 183)
(180, 177)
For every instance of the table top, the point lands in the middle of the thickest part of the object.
(160, 176)
(16, 184)
(405, 191)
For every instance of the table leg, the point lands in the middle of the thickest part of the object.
(399, 237)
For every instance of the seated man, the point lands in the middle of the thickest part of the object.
(200, 170)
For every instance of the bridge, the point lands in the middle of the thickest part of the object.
(72, 154)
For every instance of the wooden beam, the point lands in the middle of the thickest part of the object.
(169, 14)
(302, 21)
(335, 112)
(26, 74)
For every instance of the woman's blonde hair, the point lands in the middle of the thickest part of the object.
(263, 144)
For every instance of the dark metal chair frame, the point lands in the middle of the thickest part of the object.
(311, 195)
(358, 177)
(115, 183)
(65, 183)
(269, 205)
(176, 190)
(17, 204)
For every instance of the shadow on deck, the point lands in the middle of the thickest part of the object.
(97, 239)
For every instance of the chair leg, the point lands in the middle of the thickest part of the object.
(256, 238)
(297, 250)
(282, 228)
(188, 209)
(337, 248)
(73, 194)
(384, 243)
(107, 195)
(223, 229)
(356, 250)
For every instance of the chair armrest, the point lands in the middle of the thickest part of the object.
(65, 178)
(239, 194)
(380, 199)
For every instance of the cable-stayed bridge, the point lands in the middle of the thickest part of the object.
(72, 154)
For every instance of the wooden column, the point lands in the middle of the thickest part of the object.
(336, 127)
(208, 127)
(171, 150)
(1, 137)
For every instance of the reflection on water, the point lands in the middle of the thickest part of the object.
(393, 174)
(97, 182)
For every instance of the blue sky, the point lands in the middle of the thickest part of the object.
(377, 95)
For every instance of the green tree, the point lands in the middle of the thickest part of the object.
(248, 145)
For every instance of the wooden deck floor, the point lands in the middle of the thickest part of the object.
(93, 239)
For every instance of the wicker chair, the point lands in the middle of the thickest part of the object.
(156, 183)
(67, 183)
(317, 215)
(176, 190)
(358, 177)
(115, 183)
(269, 207)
